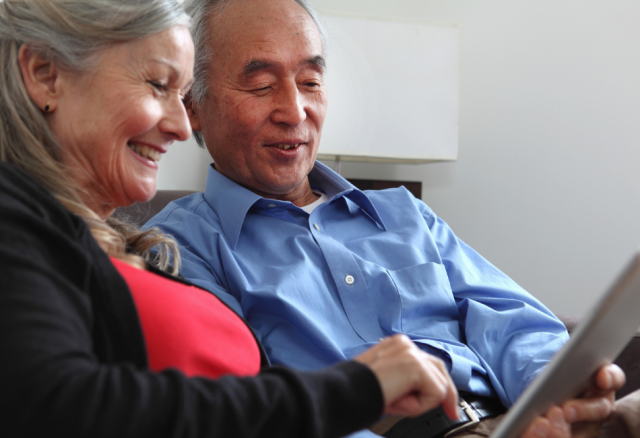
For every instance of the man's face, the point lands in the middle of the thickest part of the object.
(263, 115)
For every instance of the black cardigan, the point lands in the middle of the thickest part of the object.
(73, 360)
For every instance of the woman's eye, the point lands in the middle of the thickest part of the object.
(158, 86)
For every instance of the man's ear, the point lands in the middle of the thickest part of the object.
(191, 113)
(40, 78)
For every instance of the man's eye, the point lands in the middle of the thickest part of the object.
(261, 90)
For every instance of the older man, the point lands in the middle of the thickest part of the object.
(320, 269)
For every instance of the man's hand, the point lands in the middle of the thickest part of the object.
(412, 381)
(581, 417)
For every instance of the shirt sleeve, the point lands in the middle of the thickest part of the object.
(53, 383)
(196, 270)
(513, 334)
(197, 242)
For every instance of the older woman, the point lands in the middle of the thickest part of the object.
(95, 340)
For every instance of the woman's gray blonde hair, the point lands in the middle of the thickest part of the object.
(70, 33)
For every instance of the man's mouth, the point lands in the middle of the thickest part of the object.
(145, 151)
(286, 147)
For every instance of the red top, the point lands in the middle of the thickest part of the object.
(188, 328)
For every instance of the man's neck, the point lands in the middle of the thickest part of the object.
(300, 196)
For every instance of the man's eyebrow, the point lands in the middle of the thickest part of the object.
(318, 61)
(256, 65)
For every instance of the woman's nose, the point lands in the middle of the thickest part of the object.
(176, 122)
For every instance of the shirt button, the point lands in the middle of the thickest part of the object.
(349, 279)
(316, 227)
(271, 205)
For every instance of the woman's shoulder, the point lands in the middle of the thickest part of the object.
(27, 204)
(18, 187)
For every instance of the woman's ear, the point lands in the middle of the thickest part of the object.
(190, 106)
(40, 78)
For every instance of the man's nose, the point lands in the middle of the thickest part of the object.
(289, 105)
(176, 122)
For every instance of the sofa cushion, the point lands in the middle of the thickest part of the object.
(140, 213)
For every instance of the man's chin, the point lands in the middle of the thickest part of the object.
(283, 189)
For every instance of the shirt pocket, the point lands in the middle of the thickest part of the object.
(427, 304)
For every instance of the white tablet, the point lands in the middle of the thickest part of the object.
(596, 341)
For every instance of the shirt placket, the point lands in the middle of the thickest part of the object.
(351, 285)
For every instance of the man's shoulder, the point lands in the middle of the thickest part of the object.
(397, 198)
(186, 213)
(395, 193)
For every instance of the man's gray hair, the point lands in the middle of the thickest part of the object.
(201, 12)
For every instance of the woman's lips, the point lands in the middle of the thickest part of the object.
(146, 151)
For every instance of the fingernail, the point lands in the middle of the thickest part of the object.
(557, 419)
(541, 428)
(571, 414)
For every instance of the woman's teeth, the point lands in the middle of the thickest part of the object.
(286, 147)
(145, 151)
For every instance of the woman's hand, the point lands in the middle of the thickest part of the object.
(581, 417)
(411, 380)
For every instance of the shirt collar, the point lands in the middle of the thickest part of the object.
(231, 201)
(335, 186)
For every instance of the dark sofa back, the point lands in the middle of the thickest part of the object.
(142, 212)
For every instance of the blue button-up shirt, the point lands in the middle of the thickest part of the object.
(322, 287)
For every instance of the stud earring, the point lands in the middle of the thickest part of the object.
(47, 108)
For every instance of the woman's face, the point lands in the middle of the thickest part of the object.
(115, 121)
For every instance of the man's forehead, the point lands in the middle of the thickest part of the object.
(261, 9)
(254, 26)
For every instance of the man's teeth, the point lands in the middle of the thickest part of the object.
(286, 147)
(145, 151)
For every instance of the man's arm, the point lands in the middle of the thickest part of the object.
(198, 239)
(198, 272)
(513, 334)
